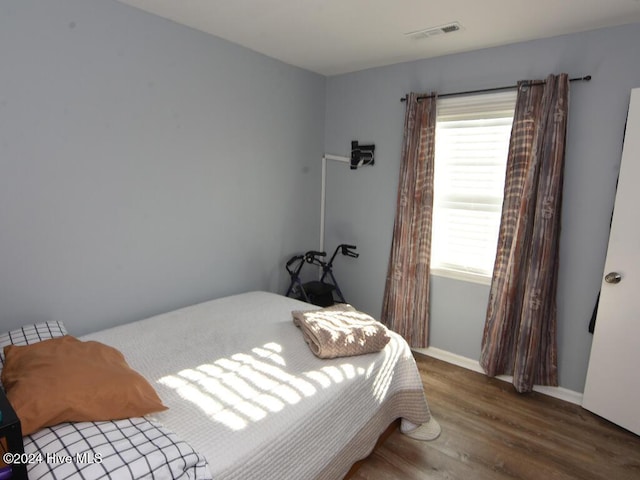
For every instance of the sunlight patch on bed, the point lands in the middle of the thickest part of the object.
(212, 408)
(207, 403)
(274, 357)
(245, 388)
(269, 402)
(273, 371)
(227, 395)
(227, 364)
(230, 419)
(274, 347)
(333, 373)
(348, 370)
(382, 382)
(232, 380)
(322, 379)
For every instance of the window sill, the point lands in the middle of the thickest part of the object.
(463, 276)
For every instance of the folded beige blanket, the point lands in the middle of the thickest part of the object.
(340, 331)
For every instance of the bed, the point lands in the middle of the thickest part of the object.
(247, 399)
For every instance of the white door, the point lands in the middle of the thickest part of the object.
(613, 379)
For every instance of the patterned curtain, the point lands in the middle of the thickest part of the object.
(520, 331)
(405, 307)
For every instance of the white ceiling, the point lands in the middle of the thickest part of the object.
(338, 36)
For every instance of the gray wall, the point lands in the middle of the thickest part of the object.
(360, 208)
(145, 166)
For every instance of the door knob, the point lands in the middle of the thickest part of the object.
(613, 277)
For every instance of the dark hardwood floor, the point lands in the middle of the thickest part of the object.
(491, 432)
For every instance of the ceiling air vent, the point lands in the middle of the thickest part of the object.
(434, 31)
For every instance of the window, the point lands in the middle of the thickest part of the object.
(472, 144)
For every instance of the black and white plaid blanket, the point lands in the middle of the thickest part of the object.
(124, 449)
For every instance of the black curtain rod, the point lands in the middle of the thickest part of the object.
(496, 89)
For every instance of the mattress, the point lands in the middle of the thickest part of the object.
(245, 391)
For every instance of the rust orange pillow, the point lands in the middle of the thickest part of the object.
(67, 380)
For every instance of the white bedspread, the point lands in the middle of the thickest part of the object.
(245, 391)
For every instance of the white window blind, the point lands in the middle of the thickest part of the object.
(472, 143)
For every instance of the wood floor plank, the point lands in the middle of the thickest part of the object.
(491, 432)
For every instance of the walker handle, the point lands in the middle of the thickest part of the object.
(311, 255)
(348, 250)
(291, 261)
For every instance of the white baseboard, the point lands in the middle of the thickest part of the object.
(470, 364)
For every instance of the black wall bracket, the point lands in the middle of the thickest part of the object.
(361, 155)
